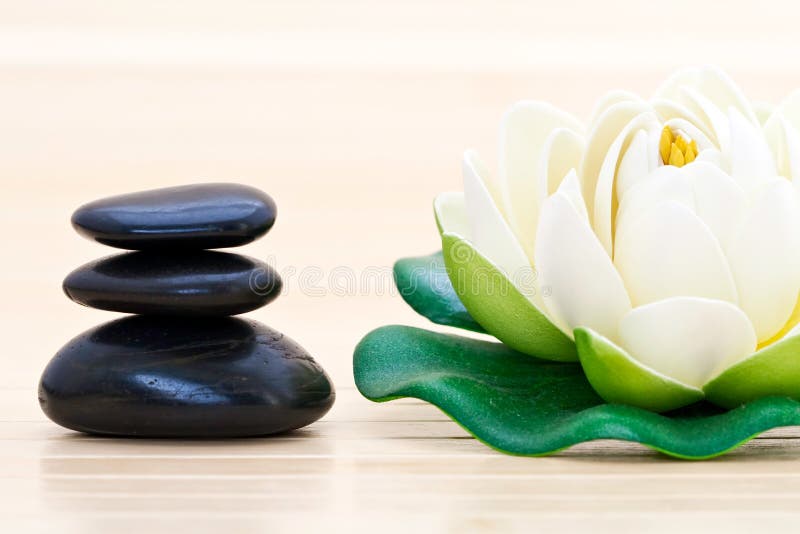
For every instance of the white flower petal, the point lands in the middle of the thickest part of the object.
(714, 117)
(604, 207)
(750, 155)
(784, 142)
(526, 127)
(764, 258)
(691, 110)
(789, 329)
(667, 252)
(718, 199)
(714, 157)
(669, 110)
(562, 152)
(790, 108)
(488, 230)
(687, 338)
(635, 164)
(687, 129)
(792, 153)
(763, 111)
(451, 214)
(653, 151)
(664, 183)
(608, 100)
(571, 188)
(580, 284)
(713, 83)
(606, 129)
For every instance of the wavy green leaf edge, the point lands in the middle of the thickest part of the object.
(424, 285)
(526, 406)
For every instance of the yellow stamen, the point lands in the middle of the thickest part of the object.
(665, 144)
(675, 149)
(676, 156)
(690, 154)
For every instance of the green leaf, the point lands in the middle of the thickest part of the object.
(527, 406)
(617, 377)
(424, 285)
(774, 370)
(498, 306)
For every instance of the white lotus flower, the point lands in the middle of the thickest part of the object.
(665, 236)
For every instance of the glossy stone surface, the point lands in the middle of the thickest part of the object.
(189, 217)
(177, 377)
(193, 283)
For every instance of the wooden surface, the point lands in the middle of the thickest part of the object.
(353, 115)
(370, 467)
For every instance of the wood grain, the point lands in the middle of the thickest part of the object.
(367, 465)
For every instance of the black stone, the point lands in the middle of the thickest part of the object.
(194, 283)
(178, 377)
(189, 217)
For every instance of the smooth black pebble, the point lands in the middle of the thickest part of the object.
(198, 216)
(178, 377)
(191, 283)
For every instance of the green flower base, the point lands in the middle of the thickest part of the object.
(522, 405)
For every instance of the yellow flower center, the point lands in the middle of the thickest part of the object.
(675, 150)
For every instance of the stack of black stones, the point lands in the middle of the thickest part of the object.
(182, 366)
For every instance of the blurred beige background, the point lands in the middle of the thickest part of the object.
(353, 115)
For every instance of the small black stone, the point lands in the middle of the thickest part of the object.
(177, 377)
(188, 217)
(192, 283)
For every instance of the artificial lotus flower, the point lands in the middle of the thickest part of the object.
(659, 245)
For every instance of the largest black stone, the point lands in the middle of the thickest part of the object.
(188, 217)
(177, 377)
